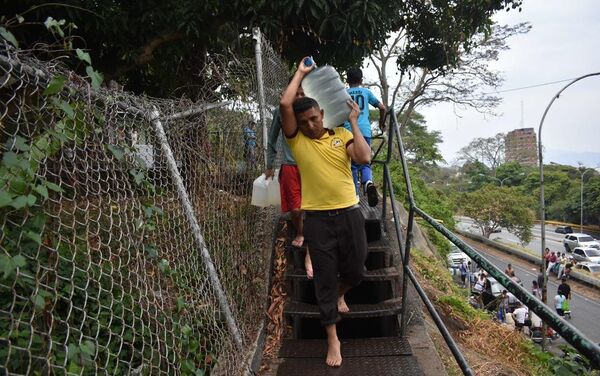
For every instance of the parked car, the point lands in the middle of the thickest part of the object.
(564, 229)
(586, 254)
(456, 257)
(572, 241)
(588, 267)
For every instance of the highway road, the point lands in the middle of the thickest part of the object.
(553, 240)
(585, 306)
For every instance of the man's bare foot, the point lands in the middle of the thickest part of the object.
(341, 305)
(308, 266)
(334, 354)
(298, 241)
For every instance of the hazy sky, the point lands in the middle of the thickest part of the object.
(564, 43)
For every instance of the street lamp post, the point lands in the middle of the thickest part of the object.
(501, 181)
(542, 203)
(581, 201)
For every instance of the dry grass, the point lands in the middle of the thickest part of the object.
(489, 347)
(276, 323)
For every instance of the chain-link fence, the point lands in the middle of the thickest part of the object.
(101, 269)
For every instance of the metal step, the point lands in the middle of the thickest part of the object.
(315, 348)
(357, 311)
(371, 214)
(370, 275)
(379, 246)
(361, 366)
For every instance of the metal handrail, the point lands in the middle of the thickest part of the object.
(571, 334)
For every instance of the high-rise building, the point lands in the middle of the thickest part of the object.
(520, 145)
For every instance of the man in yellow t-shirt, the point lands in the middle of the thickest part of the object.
(334, 227)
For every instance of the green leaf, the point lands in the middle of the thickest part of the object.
(53, 187)
(34, 236)
(19, 261)
(95, 76)
(151, 250)
(65, 107)
(19, 202)
(117, 151)
(9, 266)
(42, 143)
(18, 185)
(88, 347)
(163, 265)
(83, 56)
(55, 26)
(9, 37)
(39, 301)
(31, 200)
(42, 190)
(138, 176)
(181, 304)
(9, 159)
(5, 199)
(72, 351)
(21, 144)
(55, 85)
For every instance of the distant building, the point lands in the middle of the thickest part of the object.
(520, 145)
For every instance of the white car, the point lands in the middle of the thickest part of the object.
(574, 240)
(589, 267)
(456, 257)
(586, 254)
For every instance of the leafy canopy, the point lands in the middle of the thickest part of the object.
(157, 46)
(494, 207)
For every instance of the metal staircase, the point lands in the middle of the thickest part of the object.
(369, 333)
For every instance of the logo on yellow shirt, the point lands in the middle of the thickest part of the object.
(336, 142)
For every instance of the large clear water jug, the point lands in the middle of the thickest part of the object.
(325, 86)
(273, 193)
(260, 192)
(265, 192)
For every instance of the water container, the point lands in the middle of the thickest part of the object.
(273, 195)
(265, 192)
(260, 194)
(325, 86)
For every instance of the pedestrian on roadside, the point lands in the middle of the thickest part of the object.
(551, 262)
(471, 277)
(558, 303)
(520, 315)
(463, 272)
(536, 290)
(564, 259)
(480, 284)
(564, 288)
(546, 258)
(509, 271)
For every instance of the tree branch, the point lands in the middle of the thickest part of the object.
(146, 54)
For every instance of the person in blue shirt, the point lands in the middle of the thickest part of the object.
(250, 144)
(364, 97)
